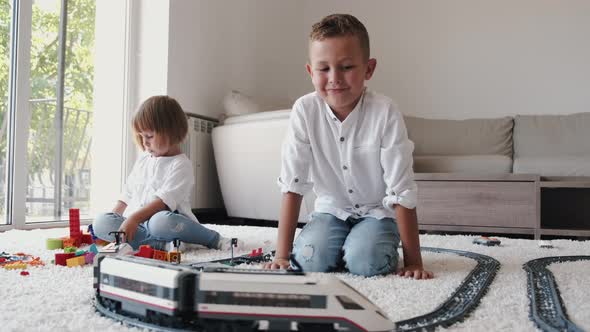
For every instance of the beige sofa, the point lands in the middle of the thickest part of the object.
(483, 175)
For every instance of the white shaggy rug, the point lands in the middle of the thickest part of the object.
(57, 298)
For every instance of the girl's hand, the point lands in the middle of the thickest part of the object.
(129, 227)
(278, 263)
(416, 272)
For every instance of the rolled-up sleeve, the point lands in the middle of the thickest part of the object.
(397, 161)
(296, 155)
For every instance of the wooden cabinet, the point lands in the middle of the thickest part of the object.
(504, 203)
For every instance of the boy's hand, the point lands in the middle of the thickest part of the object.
(278, 263)
(416, 272)
(129, 227)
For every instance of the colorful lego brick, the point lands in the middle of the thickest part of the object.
(70, 250)
(75, 223)
(60, 258)
(89, 257)
(24, 273)
(53, 244)
(87, 239)
(161, 255)
(145, 251)
(174, 256)
(70, 242)
(100, 242)
(75, 261)
(80, 252)
(15, 266)
(93, 248)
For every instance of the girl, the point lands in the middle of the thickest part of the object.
(154, 206)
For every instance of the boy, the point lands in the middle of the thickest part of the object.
(355, 144)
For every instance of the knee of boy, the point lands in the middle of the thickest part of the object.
(368, 264)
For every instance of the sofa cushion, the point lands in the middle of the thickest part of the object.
(434, 137)
(488, 164)
(553, 166)
(552, 135)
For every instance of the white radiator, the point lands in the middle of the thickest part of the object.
(199, 149)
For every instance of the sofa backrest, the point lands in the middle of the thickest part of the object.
(552, 135)
(437, 137)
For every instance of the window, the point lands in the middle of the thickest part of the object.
(47, 117)
(5, 32)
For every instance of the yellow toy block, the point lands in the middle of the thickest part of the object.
(15, 266)
(75, 261)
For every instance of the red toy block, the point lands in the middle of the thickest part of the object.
(24, 273)
(161, 255)
(75, 223)
(87, 238)
(70, 242)
(61, 258)
(145, 251)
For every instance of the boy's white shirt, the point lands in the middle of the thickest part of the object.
(369, 153)
(169, 178)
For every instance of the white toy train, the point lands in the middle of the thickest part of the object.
(180, 297)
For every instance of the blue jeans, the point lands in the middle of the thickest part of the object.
(161, 228)
(365, 246)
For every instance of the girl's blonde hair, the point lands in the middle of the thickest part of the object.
(164, 116)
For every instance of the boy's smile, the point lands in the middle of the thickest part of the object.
(338, 71)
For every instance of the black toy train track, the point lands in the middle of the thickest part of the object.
(453, 310)
(547, 310)
(465, 298)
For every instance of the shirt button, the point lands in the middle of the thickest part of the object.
(341, 139)
(344, 167)
(296, 180)
(350, 191)
(357, 206)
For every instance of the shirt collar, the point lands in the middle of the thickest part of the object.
(358, 108)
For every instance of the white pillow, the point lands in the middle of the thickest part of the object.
(236, 103)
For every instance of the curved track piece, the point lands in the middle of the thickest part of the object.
(547, 310)
(463, 300)
(134, 322)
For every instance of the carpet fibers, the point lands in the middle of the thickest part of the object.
(57, 298)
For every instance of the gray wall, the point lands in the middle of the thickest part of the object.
(449, 59)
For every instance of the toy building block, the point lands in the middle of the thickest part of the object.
(486, 241)
(60, 258)
(545, 244)
(53, 244)
(70, 250)
(174, 256)
(145, 251)
(75, 223)
(161, 255)
(87, 239)
(80, 252)
(71, 242)
(255, 253)
(93, 248)
(24, 273)
(15, 266)
(75, 261)
(89, 257)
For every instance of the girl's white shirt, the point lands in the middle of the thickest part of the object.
(169, 178)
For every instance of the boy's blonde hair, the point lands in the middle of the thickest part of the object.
(337, 25)
(164, 116)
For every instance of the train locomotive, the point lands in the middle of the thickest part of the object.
(180, 297)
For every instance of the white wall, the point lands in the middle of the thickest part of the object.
(451, 59)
